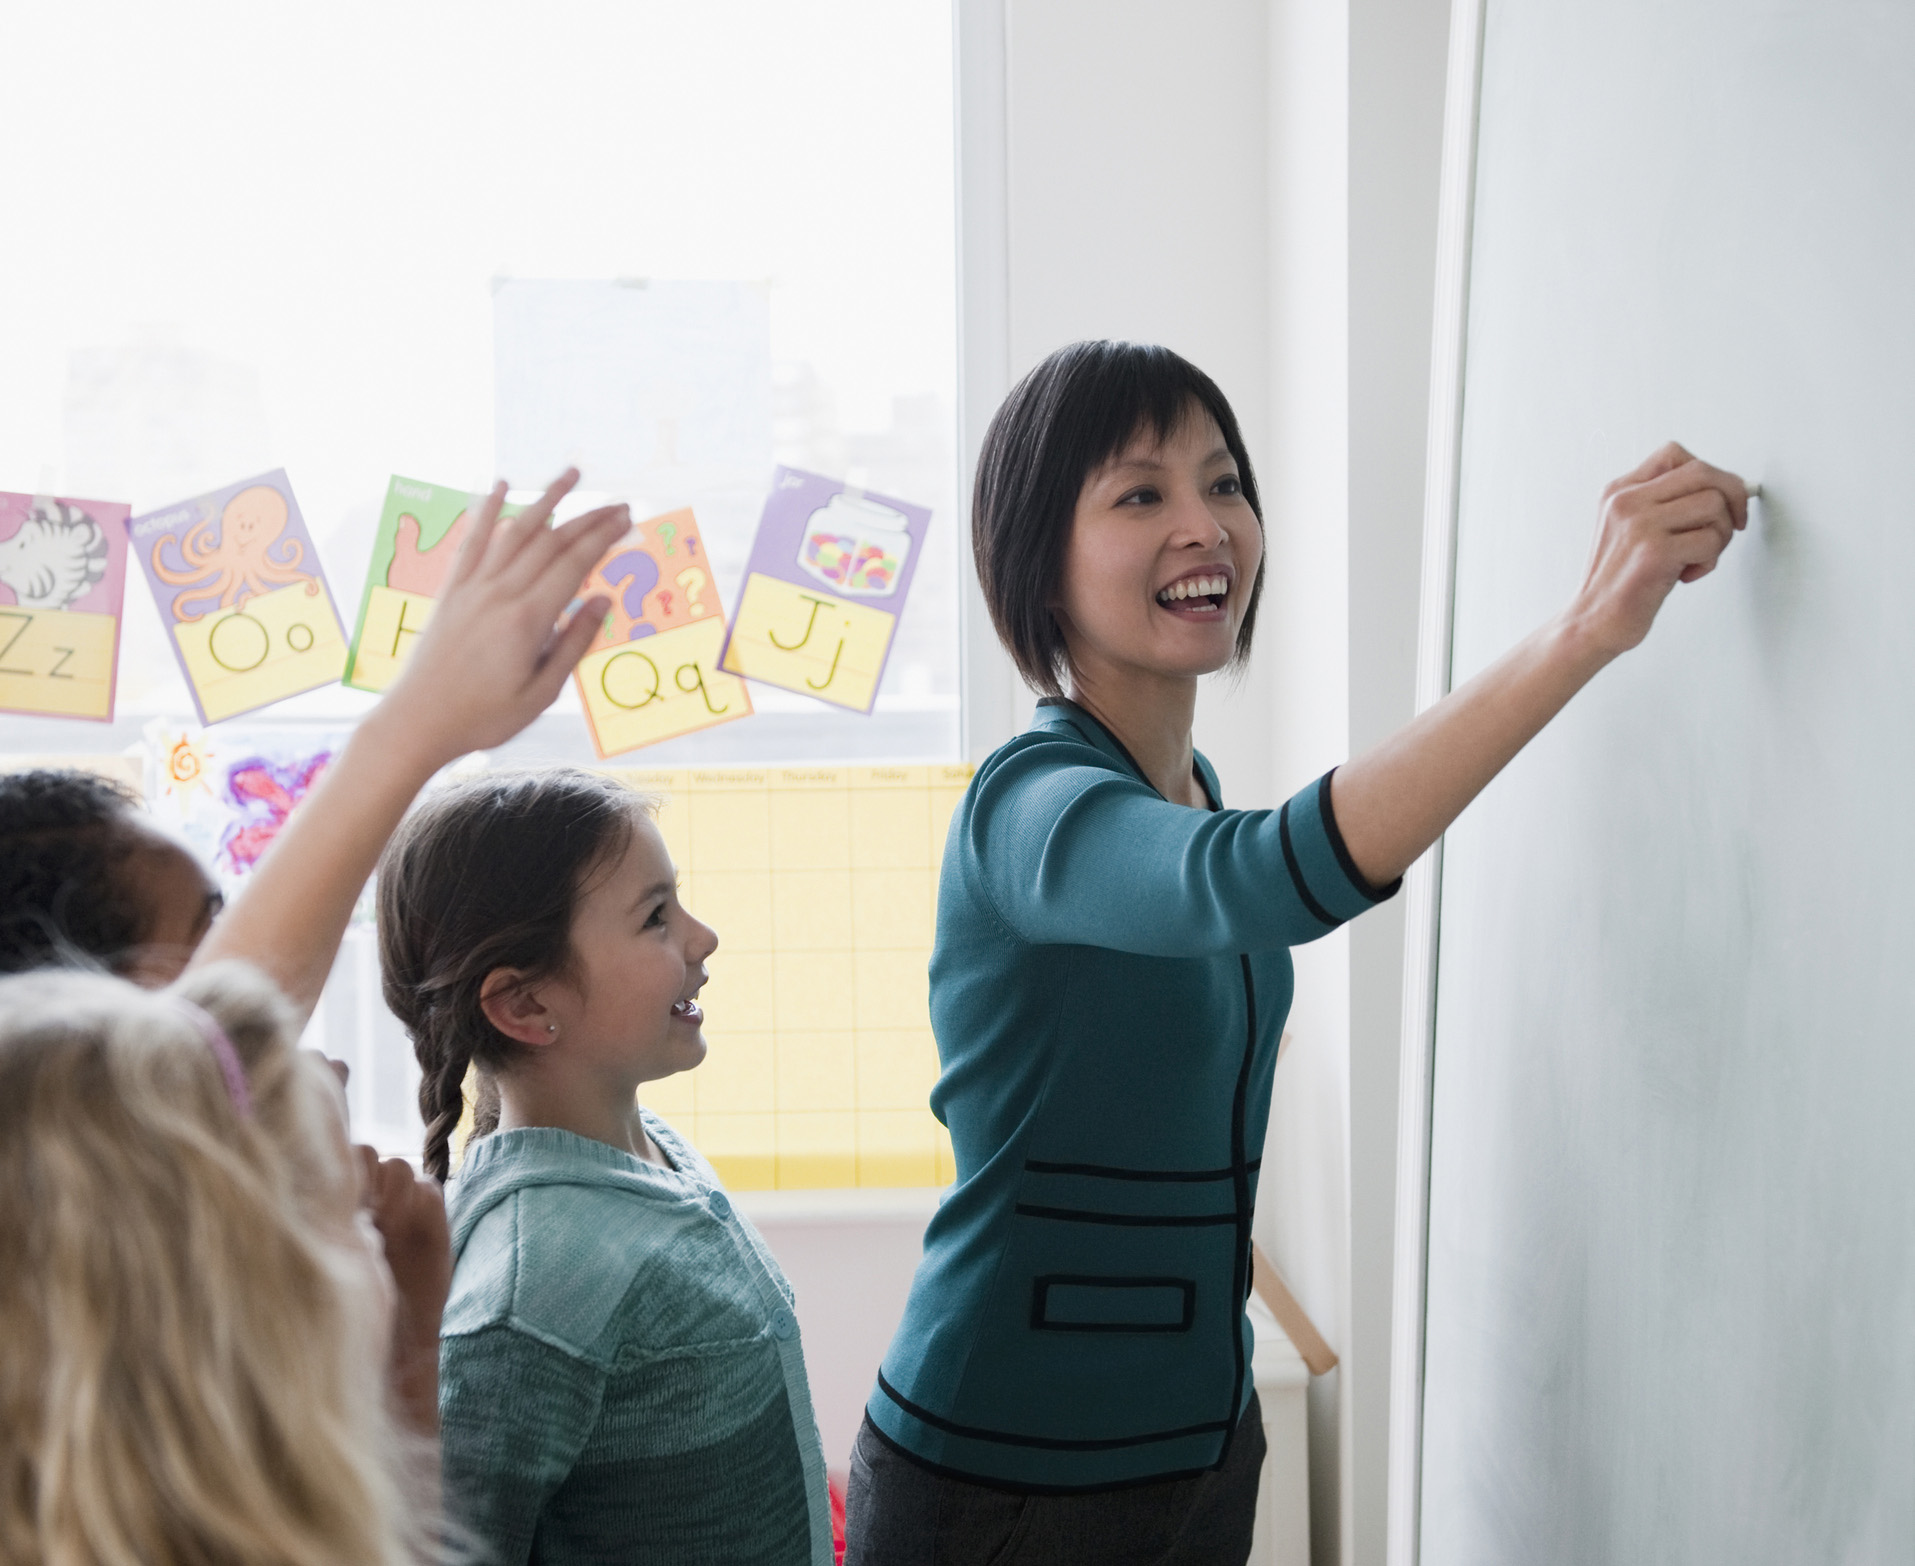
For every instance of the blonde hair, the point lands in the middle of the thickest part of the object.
(192, 1342)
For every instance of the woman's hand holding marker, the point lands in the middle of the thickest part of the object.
(491, 660)
(1666, 522)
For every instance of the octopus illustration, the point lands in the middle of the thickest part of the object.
(239, 563)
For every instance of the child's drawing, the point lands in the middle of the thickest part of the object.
(262, 793)
(58, 555)
(232, 560)
(228, 792)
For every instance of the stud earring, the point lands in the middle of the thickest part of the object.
(551, 1027)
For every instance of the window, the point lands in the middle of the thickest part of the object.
(258, 237)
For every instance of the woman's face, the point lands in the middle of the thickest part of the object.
(1163, 551)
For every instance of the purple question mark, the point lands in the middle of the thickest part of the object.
(640, 571)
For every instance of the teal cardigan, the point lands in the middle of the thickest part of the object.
(620, 1371)
(1109, 982)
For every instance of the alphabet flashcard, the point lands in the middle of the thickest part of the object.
(652, 673)
(420, 530)
(240, 588)
(62, 583)
(829, 573)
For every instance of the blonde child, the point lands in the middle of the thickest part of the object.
(621, 1376)
(83, 877)
(186, 1301)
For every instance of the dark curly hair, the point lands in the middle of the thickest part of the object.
(65, 837)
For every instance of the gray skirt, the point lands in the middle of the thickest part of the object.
(901, 1513)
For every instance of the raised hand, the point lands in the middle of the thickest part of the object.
(492, 660)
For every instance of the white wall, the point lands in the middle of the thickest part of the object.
(1253, 183)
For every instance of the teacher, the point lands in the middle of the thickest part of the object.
(1071, 1381)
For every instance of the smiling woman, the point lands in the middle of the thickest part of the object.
(1112, 971)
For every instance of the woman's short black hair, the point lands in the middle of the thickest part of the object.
(1073, 413)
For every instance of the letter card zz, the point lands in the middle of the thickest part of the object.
(62, 582)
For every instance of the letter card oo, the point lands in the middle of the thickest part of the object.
(241, 593)
(62, 582)
(652, 672)
(829, 572)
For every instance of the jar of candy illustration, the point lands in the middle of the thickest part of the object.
(855, 546)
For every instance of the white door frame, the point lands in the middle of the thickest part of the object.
(1455, 222)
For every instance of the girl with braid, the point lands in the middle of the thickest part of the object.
(620, 1372)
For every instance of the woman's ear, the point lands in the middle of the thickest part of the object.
(514, 1007)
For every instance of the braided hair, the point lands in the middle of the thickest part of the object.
(485, 874)
(65, 838)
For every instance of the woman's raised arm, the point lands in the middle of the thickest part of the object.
(1665, 523)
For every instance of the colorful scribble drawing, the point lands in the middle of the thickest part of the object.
(423, 571)
(263, 792)
(57, 556)
(239, 563)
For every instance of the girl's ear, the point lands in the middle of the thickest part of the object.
(515, 1009)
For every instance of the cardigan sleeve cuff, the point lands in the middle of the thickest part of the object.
(1323, 859)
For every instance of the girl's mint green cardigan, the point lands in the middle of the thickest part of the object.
(620, 1373)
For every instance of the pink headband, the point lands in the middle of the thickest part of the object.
(223, 1052)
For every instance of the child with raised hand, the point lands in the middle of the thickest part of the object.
(621, 1376)
(191, 1316)
(86, 876)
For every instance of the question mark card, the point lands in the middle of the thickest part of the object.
(829, 572)
(62, 582)
(240, 591)
(652, 671)
(420, 529)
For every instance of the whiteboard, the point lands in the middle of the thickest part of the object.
(1668, 1312)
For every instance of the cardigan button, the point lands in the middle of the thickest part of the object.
(720, 1205)
(783, 1324)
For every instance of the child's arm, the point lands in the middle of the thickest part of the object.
(488, 664)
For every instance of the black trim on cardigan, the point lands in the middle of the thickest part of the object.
(1014, 1487)
(1315, 909)
(1116, 1172)
(1042, 1321)
(1128, 1220)
(1045, 1443)
(1376, 894)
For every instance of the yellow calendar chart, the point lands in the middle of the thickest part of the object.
(822, 885)
(263, 649)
